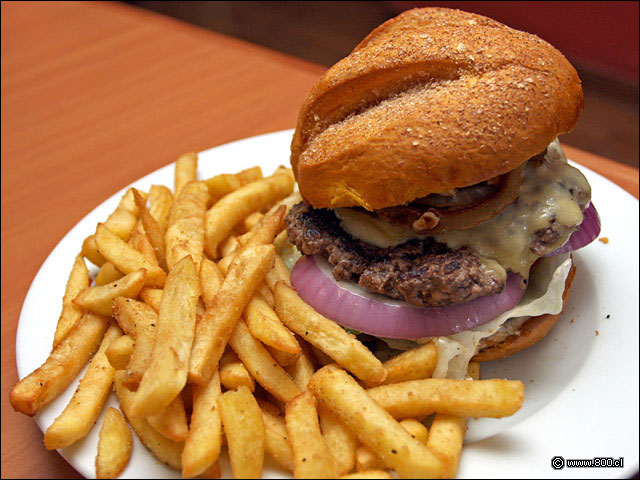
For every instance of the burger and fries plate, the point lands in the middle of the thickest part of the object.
(581, 381)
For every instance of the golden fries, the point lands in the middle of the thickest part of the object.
(414, 364)
(145, 322)
(480, 398)
(310, 453)
(277, 444)
(71, 313)
(167, 451)
(340, 441)
(121, 222)
(152, 297)
(416, 429)
(302, 369)
(233, 373)
(126, 259)
(166, 373)
(108, 273)
(185, 233)
(114, 445)
(100, 299)
(368, 474)
(82, 411)
(215, 327)
(244, 431)
(119, 352)
(172, 421)
(265, 325)
(373, 426)
(225, 183)
(154, 231)
(63, 365)
(202, 447)
(211, 279)
(160, 201)
(185, 171)
(327, 335)
(234, 207)
(261, 365)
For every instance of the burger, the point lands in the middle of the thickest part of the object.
(438, 203)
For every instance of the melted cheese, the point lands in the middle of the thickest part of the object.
(372, 230)
(548, 193)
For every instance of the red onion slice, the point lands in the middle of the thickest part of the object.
(586, 233)
(376, 315)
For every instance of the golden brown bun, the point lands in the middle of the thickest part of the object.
(531, 332)
(431, 100)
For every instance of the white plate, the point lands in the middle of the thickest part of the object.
(581, 387)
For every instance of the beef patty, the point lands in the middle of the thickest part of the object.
(422, 272)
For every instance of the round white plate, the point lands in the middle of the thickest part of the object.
(581, 382)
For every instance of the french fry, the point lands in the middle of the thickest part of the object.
(235, 206)
(126, 259)
(108, 273)
(154, 231)
(310, 452)
(140, 243)
(212, 472)
(215, 327)
(119, 352)
(414, 364)
(71, 313)
(481, 398)
(327, 335)
(100, 299)
(225, 183)
(160, 201)
(61, 367)
(228, 246)
(211, 279)
(322, 358)
(204, 441)
(261, 365)
(340, 441)
(80, 414)
(265, 325)
(277, 444)
(165, 450)
(114, 445)
(185, 231)
(366, 460)
(280, 240)
(302, 369)
(233, 373)
(172, 421)
(166, 372)
(373, 426)
(416, 429)
(447, 433)
(141, 320)
(252, 220)
(121, 222)
(152, 297)
(244, 431)
(185, 171)
(368, 474)
(288, 202)
(284, 359)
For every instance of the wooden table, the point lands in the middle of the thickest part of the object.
(94, 96)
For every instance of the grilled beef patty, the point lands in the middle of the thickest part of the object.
(422, 272)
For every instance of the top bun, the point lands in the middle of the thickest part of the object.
(431, 100)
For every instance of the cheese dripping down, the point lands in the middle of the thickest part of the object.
(549, 194)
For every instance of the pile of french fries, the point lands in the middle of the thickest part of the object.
(193, 321)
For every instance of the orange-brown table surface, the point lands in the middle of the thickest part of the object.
(96, 95)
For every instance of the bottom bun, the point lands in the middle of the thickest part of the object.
(530, 333)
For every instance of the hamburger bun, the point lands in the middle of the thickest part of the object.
(431, 100)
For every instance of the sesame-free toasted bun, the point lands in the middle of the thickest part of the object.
(431, 100)
(530, 333)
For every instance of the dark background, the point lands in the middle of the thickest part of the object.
(600, 39)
